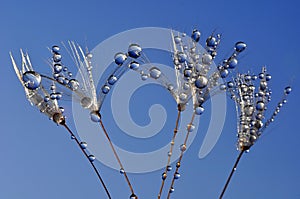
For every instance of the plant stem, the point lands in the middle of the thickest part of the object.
(231, 173)
(86, 155)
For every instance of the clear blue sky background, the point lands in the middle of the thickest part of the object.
(37, 158)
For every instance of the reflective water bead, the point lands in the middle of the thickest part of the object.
(155, 72)
(181, 57)
(182, 147)
(86, 102)
(183, 97)
(134, 65)
(261, 75)
(169, 168)
(254, 77)
(95, 116)
(260, 106)
(206, 59)
(176, 175)
(89, 55)
(70, 74)
(268, 77)
(56, 57)
(240, 46)
(133, 196)
(190, 127)
(199, 110)
(223, 87)
(287, 90)
(46, 98)
(53, 96)
(120, 58)
(263, 85)
(58, 118)
(57, 68)
(249, 110)
(105, 89)
(164, 176)
(65, 69)
(187, 72)
(134, 51)
(144, 77)
(73, 84)
(201, 82)
(230, 84)
(55, 49)
(92, 158)
(122, 171)
(112, 80)
(196, 35)
(224, 73)
(177, 39)
(62, 109)
(83, 145)
(232, 62)
(171, 190)
(211, 41)
(32, 80)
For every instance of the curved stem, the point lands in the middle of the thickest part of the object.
(117, 157)
(181, 155)
(171, 151)
(86, 155)
(231, 173)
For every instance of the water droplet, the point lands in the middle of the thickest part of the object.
(177, 39)
(263, 85)
(120, 58)
(183, 97)
(196, 35)
(83, 145)
(201, 82)
(57, 68)
(89, 55)
(190, 127)
(46, 98)
(232, 62)
(122, 171)
(171, 190)
(224, 73)
(70, 74)
(287, 90)
(164, 176)
(199, 110)
(211, 41)
(249, 110)
(112, 80)
(169, 153)
(133, 196)
(169, 168)
(182, 147)
(181, 57)
(86, 102)
(56, 57)
(144, 77)
(155, 73)
(95, 116)
(223, 87)
(92, 158)
(32, 80)
(230, 84)
(134, 65)
(186, 86)
(187, 72)
(261, 75)
(176, 175)
(268, 77)
(73, 84)
(260, 106)
(207, 59)
(105, 89)
(55, 49)
(134, 51)
(240, 46)
(58, 118)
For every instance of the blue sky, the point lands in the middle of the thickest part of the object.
(38, 160)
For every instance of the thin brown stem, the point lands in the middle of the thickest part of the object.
(231, 173)
(117, 157)
(87, 156)
(170, 153)
(181, 155)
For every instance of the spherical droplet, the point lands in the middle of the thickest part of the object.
(46, 98)
(134, 51)
(240, 46)
(183, 97)
(32, 80)
(176, 175)
(55, 49)
(133, 196)
(112, 80)
(105, 89)
(164, 176)
(232, 62)
(92, 158)
(187, 72)
(223, 87)
(224, 73)
(190, 127)
(199, 110)
(169, 168)
(86, 102)
(268, 77)
(211, 41)
(181, 57)
(196, 35)
(182, 147)
(230, 84)
(287, 90)
(58, 118)
(177, 39)
(57, 68)
(249, 110)
(260, 106)
(144, 77)
(201, 82)
(95, 116)
(207, 59)
(171, 190)
(155, 73)
(134, 65)
(120, 58)
(83, 145)
(73, 84)
(122, 171)
(56, 57)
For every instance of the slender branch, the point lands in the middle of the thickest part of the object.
(169, 155)
(231, 173)
(86, 155)
(181, 155)
(117, 157)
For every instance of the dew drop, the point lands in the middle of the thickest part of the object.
(32, 80)
(211, 41)
(122, 171)
(196, 35)
(190, 127)
(169, 168)
(201, 82)
(57, 68)
(133, 196)
(177, 39)
(224, 73)
(112, 80)
(181, 57)
(183, 97)
(144, 77)
(207, 59)
(240, 46)
(105, 89)
(92, 158)
(164, 176)
(171, 190)
(120, 58)
(176, 175)
(46, 98)
(95, 116)
(155, 72)
(56, 57)
(199, 110)
(134, 51)
(182, 147)
(73, 84)
(55, 49)
(134, 65)
(268, 77)
(287, 90)
(232, 62)
(86, 102)
(83, 145)
(260, 106)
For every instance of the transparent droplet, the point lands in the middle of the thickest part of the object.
(134, 51)
(155, 73)
(112, 80)
(182, 147)
(55, 49)
(86, 102)
(261, 75)
(62, 109)
(57, 68)
(122, 171)
(223, 87)
(268, 77)
(171, 190)
(230, 84)
(58, 118)
(95, 116)
(92, 158)
(70, 74)
(211, 41)
(164, 176)
(224, 73)
(183, 97)
(32, 80)
(120, 58)
(169, 168)
(199, 110)
(249, 110)
(186, 86)
(181, 57)
(133, 196)
(190, 127)
(201, 82)
(83, 145)
(176, 175)
(187, 72)
(232, 62)
(196, 35)
(260, 106)
(65, 69)
(144, 77)
(177, 39)
(46, 98)
(287, 90)
(73, 84)
(240, 46)
(134, 65)
(105, 89)
(56, 57)
(207, 59)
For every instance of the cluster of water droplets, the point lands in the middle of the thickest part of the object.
(252, 94)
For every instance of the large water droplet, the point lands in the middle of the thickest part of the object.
(105, 89)
(171, 190)
(196, 35)
(199, 110)
(190, 127)
(134, 51)
(112, 80)
(240, 46)
(86, 102)
(95, 116)
(181, 57)
(232, 62)
(57, 68)
(122, 171)
(211, 41)
(207, 59)
(120, 58)
(144, 77)
(201, 82)
(169, 168)
(176, 175)
(182, 147)
(32, 80)
(134, 65)
(155, 72)
(249, 110)
(183, 97)
(73, 84)
(56, 57)
(164, 176)
(133, 196)
(55, 49)
(83, 145)
(287, 90)
(92, 158)
(260, 106)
